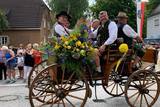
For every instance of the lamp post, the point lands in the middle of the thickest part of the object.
(140, 15)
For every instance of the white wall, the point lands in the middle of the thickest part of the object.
(153, 31)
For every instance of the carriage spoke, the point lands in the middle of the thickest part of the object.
(145, 83)
(69, 102)
(44, 98)
(46, 102)
(40, 91)
(139, 80)
(113, 88)
(150, 96)
(150, 85)
(52, 100)
(73, 90)
(146, 100)
(134, 83)
(43, 90)
(58, 103)
(117, 89)
(151, 90)
(75, 97)
(69, 87)
(110, 84)
(121, 88)
(133, 95)
(132, 89)
(144, 79)
(63, 103)
(62, 78)
(141, 100)
(136, 99)
(34, 97)
(68, 80)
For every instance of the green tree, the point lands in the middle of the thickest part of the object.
(75, 8)
(152, 5)
(114, 6)
(3, 21)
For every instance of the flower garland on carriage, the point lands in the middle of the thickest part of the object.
(72, 52)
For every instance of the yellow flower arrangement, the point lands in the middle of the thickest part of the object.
(73, 53)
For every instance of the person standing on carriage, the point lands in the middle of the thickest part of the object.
(61, 26)
(129, 35)
(106, 35)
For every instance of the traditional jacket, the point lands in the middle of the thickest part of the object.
(103, 33)
(121, 34)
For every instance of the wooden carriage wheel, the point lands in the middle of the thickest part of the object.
(60, 89)
(115, 86)
(36, 69)
(142, 89)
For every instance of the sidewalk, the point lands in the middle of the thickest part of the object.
(3, 83)
(19, 82)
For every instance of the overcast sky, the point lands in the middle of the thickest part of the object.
(91, 2)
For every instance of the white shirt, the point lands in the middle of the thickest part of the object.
(113, 30)
(60, 30)
(128, 31)
(93, 33)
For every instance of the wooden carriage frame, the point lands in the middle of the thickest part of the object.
(49, 90)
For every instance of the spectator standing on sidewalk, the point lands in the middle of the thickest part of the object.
(28, 61)
(37, 54)
(20, 60)
(10, 63)
(3, 68)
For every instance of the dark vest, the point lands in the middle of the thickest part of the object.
(121, 34)
(103, 34)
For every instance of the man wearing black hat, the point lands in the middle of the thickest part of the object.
(128, 34)
(59, 28)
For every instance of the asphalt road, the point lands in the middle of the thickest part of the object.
(15, 95)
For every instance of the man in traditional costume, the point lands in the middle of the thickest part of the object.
(129, 35)
(60, 27)
(106, 35)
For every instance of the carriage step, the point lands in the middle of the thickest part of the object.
(99, 100)
(96, 98)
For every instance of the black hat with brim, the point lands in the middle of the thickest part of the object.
(63, 13)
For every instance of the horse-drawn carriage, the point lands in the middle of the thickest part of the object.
(54, 86)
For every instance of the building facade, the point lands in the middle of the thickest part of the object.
(29, 21)
(153, 24)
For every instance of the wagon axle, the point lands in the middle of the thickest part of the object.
(61, 94)
(143, 91)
